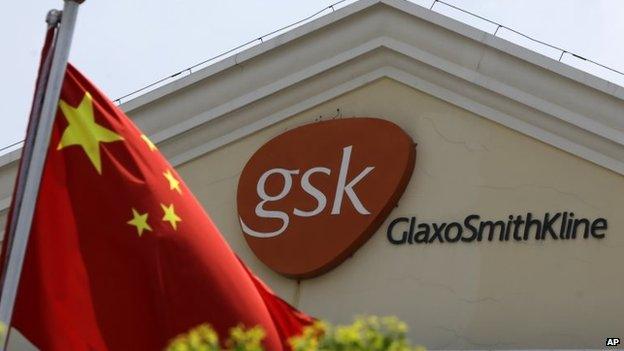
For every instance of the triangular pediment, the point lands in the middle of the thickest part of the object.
(368, 40)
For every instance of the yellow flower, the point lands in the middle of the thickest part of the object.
(200, 338)
(366, 333)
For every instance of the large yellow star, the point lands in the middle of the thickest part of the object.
(173, 183)
(170, 216)
(82, 130)
(139, 221)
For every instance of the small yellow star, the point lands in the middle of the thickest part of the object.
(149, 143)
(82, 130)
(173, 183)
(170, 216)
(139, 221)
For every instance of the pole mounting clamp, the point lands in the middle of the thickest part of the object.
(53, 18)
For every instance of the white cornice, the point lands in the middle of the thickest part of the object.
(475, 77)
(248, 54)
(402, 5)
(369, 40)
(416, 83)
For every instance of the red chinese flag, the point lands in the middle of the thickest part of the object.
(121, 255)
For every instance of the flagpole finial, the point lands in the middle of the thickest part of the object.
(54, 17)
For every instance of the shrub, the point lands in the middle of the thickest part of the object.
(364, 334)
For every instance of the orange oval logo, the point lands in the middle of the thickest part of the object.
(310, 197)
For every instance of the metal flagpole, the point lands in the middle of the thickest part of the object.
(26, 197)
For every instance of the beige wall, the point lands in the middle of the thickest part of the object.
(468, 295)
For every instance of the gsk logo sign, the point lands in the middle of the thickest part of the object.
(310, 197)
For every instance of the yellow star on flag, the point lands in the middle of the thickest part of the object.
(149, 143)
(83, 131)
(139, 221)
(173, 183)
(170, 216)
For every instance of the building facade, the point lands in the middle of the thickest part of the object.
(501, 132)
